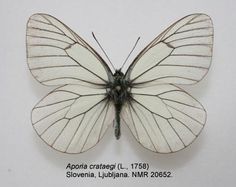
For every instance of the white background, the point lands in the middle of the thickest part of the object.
(26, 161)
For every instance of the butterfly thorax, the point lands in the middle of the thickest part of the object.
(118, 91)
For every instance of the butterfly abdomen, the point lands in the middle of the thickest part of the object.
(117, 121)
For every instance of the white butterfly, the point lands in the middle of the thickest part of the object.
(161, 116)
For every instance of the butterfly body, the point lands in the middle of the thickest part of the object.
(118, 91)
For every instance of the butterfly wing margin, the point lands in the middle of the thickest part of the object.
(73, 118)
(57, 56)
(169, 122)
(180, 55)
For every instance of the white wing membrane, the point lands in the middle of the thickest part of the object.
(180, 55)
(73, 118)
(169, 126)
(58, 56)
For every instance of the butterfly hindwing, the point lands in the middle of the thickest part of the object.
(164, 118)
(73, 118)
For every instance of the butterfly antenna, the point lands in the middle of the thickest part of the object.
(103, 50)
(130, 52)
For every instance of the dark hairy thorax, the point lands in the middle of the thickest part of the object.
(118, 91)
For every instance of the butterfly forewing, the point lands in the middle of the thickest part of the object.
(180, 55)
(58, 56)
